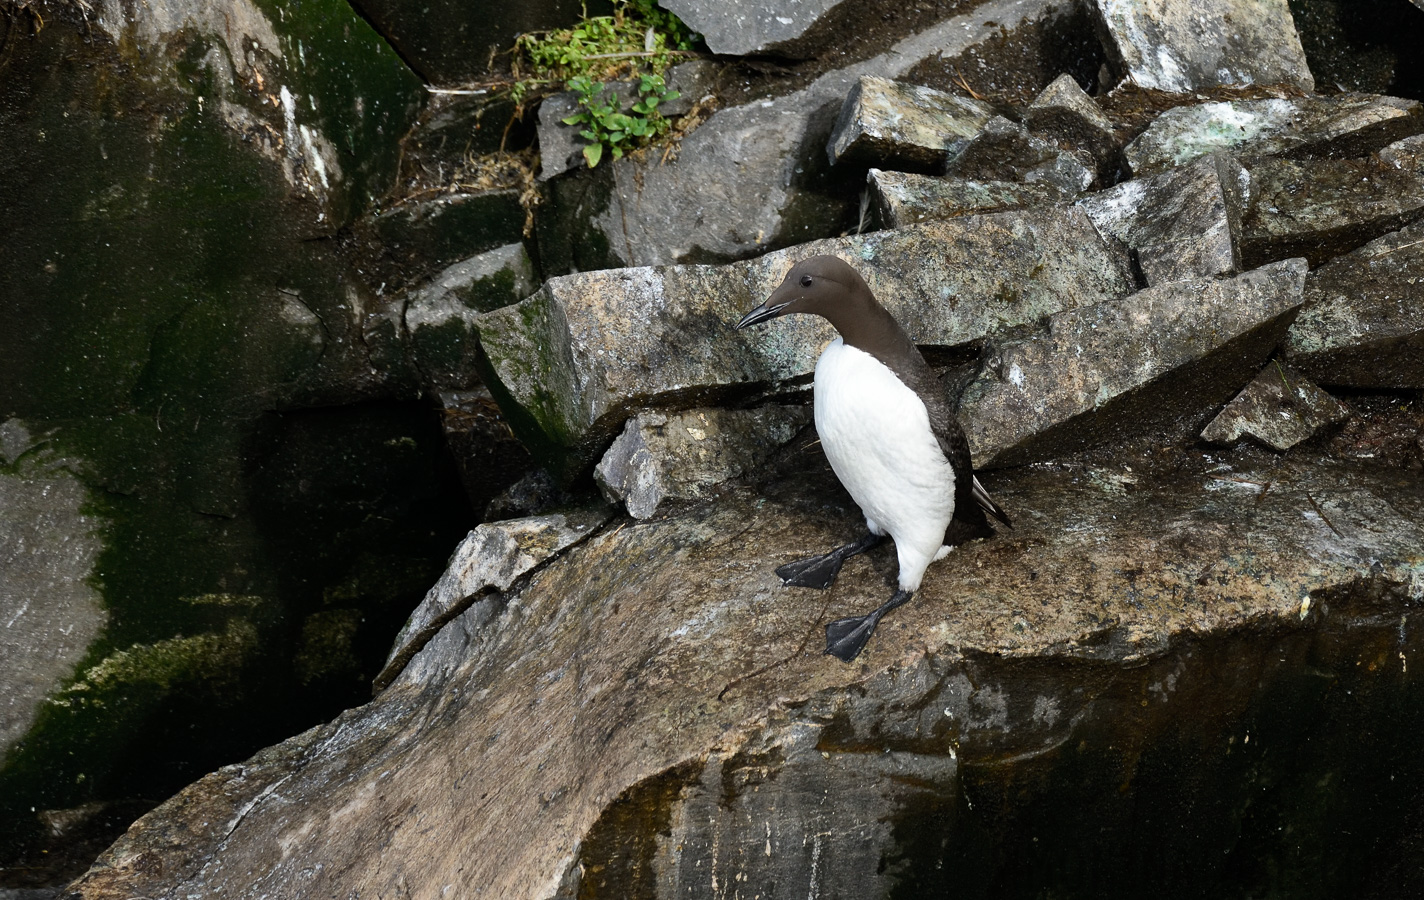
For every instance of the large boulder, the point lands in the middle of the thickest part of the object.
(1174, 653)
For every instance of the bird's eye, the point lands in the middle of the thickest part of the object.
(805, 280)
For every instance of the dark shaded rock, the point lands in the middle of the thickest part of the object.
(742, 27)
(1339, 126)
(755, 177)
(684, 456)
(440, 316)
(1385, 430)
(1005, 151)
(486, 453)
(1171, 45)
(903, 126)
(1280, 408)
(489, 560)
(1127, 366)
(1319, 208)
(902, 198)
(418, 239)
(1064, 113)
(1097, 689)
(561, 147)
(1364, 323)
(571, 362)
(1184, 223)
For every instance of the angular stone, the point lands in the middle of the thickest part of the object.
(489, 560)
(1280, 408)
(440, 316)
(904, 198)
(1180, 46)
(683, 456)
(1319, 208)
(1119, 368)
(423, 237)
(1184, 223)
(1067, 114)
(570, 362)
(1342, 125)
(742, 27)
(1364, 324)
(903, 126)
(648, 714)
(1005, 151)
(1407, 153)
(485, 451)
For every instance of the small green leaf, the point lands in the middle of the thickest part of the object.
(593, 153)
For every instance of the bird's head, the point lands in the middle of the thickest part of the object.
(823, 285)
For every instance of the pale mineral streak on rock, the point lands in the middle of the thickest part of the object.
(1280, 408)
(1122, 367)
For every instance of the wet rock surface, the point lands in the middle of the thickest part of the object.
(1168, 45)
(1280, 408)
(1175, 603)
(1094, 374)
(683, 456)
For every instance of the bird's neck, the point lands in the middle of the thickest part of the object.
(874, 331)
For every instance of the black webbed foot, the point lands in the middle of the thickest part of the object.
(820, 571)
(845, 638)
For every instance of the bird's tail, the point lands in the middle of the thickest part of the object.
(987, 503)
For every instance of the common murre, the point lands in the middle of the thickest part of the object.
(890, 435)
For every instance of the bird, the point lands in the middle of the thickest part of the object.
(891, 437)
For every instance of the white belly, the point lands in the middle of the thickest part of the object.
(876, 433)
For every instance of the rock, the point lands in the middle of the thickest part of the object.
(421, 238)
(1280, 408)
(1124, 366)
(50, 542)
(1171, 45)
(754, 177)
(489, 560)
(1005, 151)
(487, 455)
(1184, 223)
(651, 711)
(898, 199)
(561, 147)
(570, 362)
(1363, 326)
(744, 27)
(683, 456)
(1319, 208)
(1343, 126)
(903, 126)
(1064, 113)
(440, 316)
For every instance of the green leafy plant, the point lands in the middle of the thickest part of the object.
(606, 127)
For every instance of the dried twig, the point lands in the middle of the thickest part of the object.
(1323, 517)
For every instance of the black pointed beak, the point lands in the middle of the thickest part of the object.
(767, 310)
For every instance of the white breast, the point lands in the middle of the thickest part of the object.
(876, 433)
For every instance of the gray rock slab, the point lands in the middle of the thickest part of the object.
(652, 711)
(1319, 208)
(1364, 323)
(905, 198)
(1341, 125)
(1179, 46)
(1184, 223)
(1005, 151)
(903, 126)
(683, 456)
(742, 27)
(49, 550)
(571, 362)
(1280, 408)
(490, 559)
(440, 315)
(1064, 112)
(746, 180)
(561, 147)
(1127, 366)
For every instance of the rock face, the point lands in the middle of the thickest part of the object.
(742, 27)
(1093, 374)
(1184, 223)
(1063, 112)
(1341, 126)
(898, 199)
(1118, 654)
(1170, 45)
(903, 126)
(1280, 408)
(570, 362)
(1005, 151)
(683, 456)
(1362, 327)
